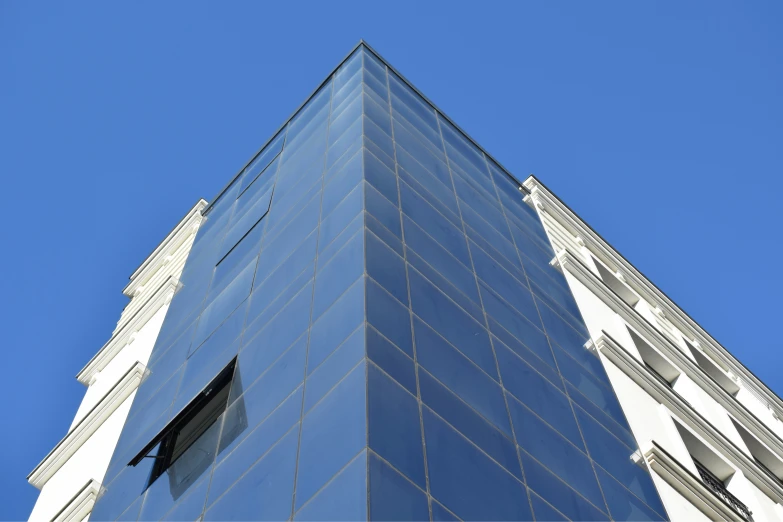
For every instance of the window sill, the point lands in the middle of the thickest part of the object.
(568, 262)
(675, 403)
(687, 484)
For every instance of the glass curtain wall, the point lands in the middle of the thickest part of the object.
(403, 350)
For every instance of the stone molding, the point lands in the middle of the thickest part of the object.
(687, 484)
(161, 297)
(162, 253)
(663, 344)
(80, 433)
(544, 201)
(674, 402)
(81, 504)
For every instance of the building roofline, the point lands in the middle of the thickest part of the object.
(655, 289)
(768, 393)
(446, 117)
(198, 207)
(359, 45)
(282, 126)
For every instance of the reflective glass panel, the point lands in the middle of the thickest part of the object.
(404, 350)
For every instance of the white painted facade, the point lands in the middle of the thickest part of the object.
(685, 396)
(70, 476)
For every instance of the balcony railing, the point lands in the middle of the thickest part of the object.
(719, 488)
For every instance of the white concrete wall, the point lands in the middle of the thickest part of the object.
(92, 459)
(763, 507)
(648, 418)
(599, 318)
(88, 463)
(139, 350)
(677, 506)
(145, 313)
(761, 411)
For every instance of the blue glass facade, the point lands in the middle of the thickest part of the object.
(403, 349)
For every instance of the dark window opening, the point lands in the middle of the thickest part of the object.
(714, 472)
(769, 471)
(658, 375)
(766, 459)
(187, 428)
(613, 282)
(719, 488)
(717, 373)
(658, 365)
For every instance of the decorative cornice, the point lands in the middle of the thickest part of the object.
(127, 334)
(80, 505)
(545, 201)
(685, 364)
(665, 395)
(87, 426)
(161, 255)
(687, 484)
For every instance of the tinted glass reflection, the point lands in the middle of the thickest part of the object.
(404, 349)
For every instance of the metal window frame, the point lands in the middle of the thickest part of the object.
(167, 437)
(718, 487)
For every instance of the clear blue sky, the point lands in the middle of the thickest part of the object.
(660, 124)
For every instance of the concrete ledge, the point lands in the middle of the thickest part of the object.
(687, 484)
(187, 225)
(87, 426)
(80, 505)
(638, 373)
(544, 201)
(124, 337)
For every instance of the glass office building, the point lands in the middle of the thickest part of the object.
(368, 327)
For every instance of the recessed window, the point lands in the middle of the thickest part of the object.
(713, 370)
(620, 288)
(713, 471)
(187, 430)
(654, 361)
(763, 456)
